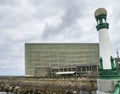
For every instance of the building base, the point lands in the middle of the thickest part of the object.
(106, 86)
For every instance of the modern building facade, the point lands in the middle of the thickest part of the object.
(46, 59)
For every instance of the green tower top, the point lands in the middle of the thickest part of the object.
(100, 16)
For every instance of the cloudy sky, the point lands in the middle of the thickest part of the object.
(23, 21)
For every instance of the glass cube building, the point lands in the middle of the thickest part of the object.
(40, 58)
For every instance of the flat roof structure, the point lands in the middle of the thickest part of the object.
(41, 57)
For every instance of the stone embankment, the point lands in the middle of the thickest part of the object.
(31, 85)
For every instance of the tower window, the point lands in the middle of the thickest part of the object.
(98, 22)
(103, 20)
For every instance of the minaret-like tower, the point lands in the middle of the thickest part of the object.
(107, 66)
(109, 73)
(104, 41)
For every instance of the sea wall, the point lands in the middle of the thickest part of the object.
(47, 85)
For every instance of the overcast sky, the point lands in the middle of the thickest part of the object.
(23, 21)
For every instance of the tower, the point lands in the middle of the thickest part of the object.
(104, 41)
(109, 73)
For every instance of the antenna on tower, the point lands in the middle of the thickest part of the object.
(117, 52)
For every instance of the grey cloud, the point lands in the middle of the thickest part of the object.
(7, 2)
(73, 11)
(12, 17)
(45, 8)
